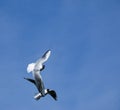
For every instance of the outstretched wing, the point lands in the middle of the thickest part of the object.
(30, 80)
(43, 59)
(53, 94)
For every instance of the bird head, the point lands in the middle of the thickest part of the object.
(30, 67)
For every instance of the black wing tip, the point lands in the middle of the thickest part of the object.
(56, 99)
(30, 80)
(53, 94)
(44, 55)
(49, 50)
(26, 78)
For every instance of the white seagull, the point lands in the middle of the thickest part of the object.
(36, 68)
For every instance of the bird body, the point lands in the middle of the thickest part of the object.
(36, 68)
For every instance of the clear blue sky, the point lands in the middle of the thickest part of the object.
(84, 66)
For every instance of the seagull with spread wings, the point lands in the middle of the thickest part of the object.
(36, 68)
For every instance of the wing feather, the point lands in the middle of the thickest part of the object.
(43, 59)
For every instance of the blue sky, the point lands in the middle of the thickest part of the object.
(83, 68)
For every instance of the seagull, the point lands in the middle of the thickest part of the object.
(35, 69)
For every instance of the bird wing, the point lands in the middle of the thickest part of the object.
(53, 94)
(30, 80)
(43, 59)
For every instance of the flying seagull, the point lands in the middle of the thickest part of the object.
(36, 68)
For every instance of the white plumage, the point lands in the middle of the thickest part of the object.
(36, 68)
